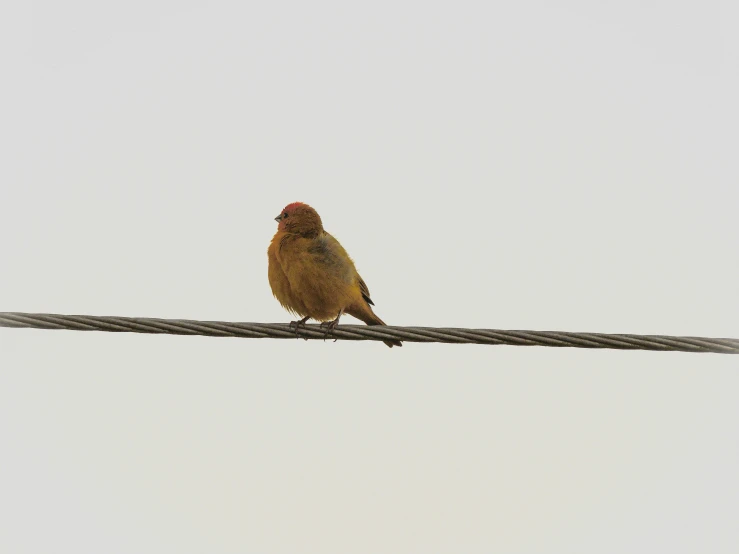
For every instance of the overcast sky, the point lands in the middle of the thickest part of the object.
(530, 165)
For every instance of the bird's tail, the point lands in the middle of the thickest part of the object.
(370, 318)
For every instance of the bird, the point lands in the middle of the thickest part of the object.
(311, 274)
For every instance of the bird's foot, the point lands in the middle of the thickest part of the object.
(331, 325)
(298, 324)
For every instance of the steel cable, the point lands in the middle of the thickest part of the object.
(360, 332)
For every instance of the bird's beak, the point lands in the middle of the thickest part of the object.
(278, 218)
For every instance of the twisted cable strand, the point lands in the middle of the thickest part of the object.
(360, 332)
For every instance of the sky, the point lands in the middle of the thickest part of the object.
(565, 166)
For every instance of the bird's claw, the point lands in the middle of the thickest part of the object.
(330, 326)
(298, 324)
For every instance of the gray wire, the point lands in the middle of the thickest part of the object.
(360, 332)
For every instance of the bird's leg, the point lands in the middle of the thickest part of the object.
(331, 325)
(298, 325)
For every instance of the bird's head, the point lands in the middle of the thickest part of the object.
(300, 219)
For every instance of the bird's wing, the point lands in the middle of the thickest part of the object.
(326, 251)
(329, 252)
(365, 291)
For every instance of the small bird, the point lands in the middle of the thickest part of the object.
(312, 275)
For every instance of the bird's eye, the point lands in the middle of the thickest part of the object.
(284, 215)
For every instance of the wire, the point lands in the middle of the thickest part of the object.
(359, 332)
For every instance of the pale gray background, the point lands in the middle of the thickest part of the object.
(528, 165)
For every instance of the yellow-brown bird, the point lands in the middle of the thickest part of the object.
(312, 275)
